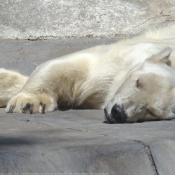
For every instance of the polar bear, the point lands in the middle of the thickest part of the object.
(131, 80)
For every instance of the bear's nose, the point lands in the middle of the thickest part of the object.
(118, 114)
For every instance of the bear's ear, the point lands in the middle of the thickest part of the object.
(162, 56)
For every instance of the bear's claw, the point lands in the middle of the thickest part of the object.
(11, 109)
(43, 108)
(30, 103)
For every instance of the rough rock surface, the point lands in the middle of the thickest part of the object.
(77, 141)
(25, 19)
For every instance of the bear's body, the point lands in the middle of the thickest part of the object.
(86, 79)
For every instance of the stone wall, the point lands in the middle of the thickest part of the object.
(37, 19)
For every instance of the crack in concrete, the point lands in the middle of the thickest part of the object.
(149, 153)
(76, 129)
(40, 123)
(149, 19)
(161, 14)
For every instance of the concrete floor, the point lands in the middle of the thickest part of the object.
(77, 141)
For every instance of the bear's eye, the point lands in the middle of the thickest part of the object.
(139, 84)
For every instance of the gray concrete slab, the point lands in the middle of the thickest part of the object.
(162, 152)
(34, 19)
(36, 147)
(77, 141)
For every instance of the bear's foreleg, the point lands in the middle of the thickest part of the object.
(39, 94)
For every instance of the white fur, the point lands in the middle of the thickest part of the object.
(89, 78)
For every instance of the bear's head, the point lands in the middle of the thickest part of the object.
(148, 93)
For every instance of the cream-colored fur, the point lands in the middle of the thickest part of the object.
(88, 78)
(11, 82)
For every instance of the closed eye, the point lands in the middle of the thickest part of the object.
(139, 84)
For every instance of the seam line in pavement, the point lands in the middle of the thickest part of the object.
(149, 153)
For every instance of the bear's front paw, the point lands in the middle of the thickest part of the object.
(29, 103)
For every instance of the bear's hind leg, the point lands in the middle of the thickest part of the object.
(11, 82)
